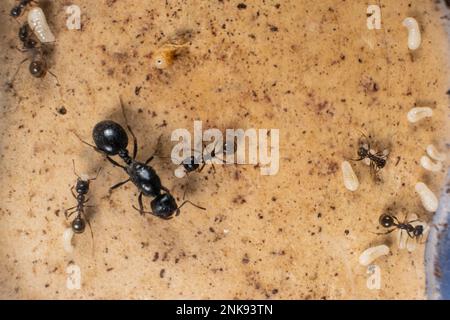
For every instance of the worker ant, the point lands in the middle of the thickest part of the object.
(390, 221)
(111, 139)
(376, 160)
(16, 11)
(81, 188)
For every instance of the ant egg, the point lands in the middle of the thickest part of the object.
(67, 240)
(418, 113)
(414, 37)
(429, 165)
(435, 154)
(428, 198)
(351, 181)
(38, 23)
(180, 172)
(369, 255)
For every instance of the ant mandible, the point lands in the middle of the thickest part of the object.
(111, 139)
(81, 188)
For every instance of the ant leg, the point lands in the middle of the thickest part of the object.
(67, 211)
(383, 233)
(154, 153)
(114, 162)
(73, 193)
(185, 190)
(96, 176)
(10, 83)
(141, 205)
(135, 145)
(54, 76)
(118, 185)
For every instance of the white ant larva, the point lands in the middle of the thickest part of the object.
(418, 113)
(414, 37)
(369, 255)
(435, 154)
(351, 181)
(428, 198)
(67, 240)
(38, 23)
(429, 165)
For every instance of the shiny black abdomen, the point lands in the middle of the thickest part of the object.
(110, 137)
(145, 179)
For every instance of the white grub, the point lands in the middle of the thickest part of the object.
(369, 255)
(435, 154)
(428, 198)
(351, 181)
(414, 37)
(429, 165)
(180, 172)
(38, 23)
(67, 240)
(419, 113)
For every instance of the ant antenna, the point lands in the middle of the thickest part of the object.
(191, 203)
(74, 171)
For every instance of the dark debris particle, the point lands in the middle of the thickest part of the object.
(162, 272)
(62, 110)
(137, 90)
(245, 259)
(242, 6)
(273, 28)
(346, 232)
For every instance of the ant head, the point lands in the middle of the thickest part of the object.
(16, 11)
(37, 68)
(23, 32)
(418, 230)
(82, 186)
(78, 225)
(164, 206)
(386, 220)
(190, 164)
(29, 43)
(362, 151)
(110, 137)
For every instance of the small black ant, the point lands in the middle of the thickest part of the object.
(390, 221)
(377, 160)
(16, 11)
(81, 189)
(111, 139)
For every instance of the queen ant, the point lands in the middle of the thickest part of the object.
(111, 139)
(78, 225)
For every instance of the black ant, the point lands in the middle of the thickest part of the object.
(16, 11)
(111, 139)
(377, 161)
(38, 66)
(81, 189)
(389, 221)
